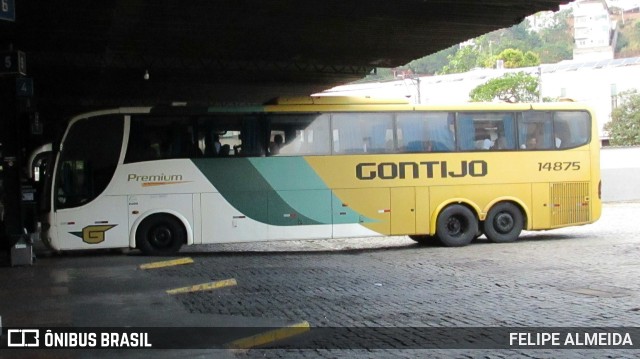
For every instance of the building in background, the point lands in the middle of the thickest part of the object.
(594, 32)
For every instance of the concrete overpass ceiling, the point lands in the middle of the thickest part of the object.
(95, 54)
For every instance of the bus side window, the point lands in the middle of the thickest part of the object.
(505, 131)
(477, 130)
(424, 132)
(182, 145)
(571, 129)
(485, 131)
(139, 148)
(535, 131)
(300, 134)
(465, 132)
(362, 132)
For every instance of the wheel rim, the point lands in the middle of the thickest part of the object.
(455, 226)
(161, 236)
(503, 222)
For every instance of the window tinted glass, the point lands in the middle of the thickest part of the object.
(485, 131)
(535, 130)
(362, 133)
(154, 138)
(224, 135)
(217, 135)
(293, 134)
(425, 132)
(301, 134)
(88, 160)
(572, 129)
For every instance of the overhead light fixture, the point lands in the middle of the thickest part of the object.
(146, 74)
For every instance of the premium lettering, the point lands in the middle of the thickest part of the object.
(153, 178)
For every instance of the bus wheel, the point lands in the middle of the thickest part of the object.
(504, 223)
(422, 239)
(160, 234)
(456, 226)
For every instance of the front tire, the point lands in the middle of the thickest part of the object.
(160, 234)
(456, 226)
(504, 223)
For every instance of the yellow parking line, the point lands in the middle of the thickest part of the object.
(173, 262)
(270, 336)
(204, 286)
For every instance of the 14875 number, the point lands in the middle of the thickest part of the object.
(558, 166)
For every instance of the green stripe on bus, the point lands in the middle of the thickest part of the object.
(245, 188)
(299, 186)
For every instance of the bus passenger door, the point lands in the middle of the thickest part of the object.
(361, 212)
(403, 211)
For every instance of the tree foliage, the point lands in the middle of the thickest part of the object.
(549, 45)
(465, 59)
(624, 127)
(557, 40)
(432, 63)
(514, 58)
(512, 87)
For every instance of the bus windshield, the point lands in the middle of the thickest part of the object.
(88, 160)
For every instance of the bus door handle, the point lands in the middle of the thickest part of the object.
(101, 222)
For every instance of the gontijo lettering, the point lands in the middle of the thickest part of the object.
(415, 170)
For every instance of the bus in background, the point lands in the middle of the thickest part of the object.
(157, 178)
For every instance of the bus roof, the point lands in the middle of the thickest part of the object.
(336, 100)
(336, 103)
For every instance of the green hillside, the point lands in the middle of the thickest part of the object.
(551, 44)
(628, 44)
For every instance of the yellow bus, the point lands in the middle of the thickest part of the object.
(156, 178)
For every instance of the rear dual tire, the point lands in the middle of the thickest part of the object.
(504, 223)
(456, 226)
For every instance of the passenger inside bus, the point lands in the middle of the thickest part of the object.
(500, 143)
(274, 147)
(237, 149)
(217, 146)
(224, 150)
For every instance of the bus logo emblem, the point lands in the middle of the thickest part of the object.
(93, 234)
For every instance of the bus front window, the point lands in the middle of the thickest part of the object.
(88, 160)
